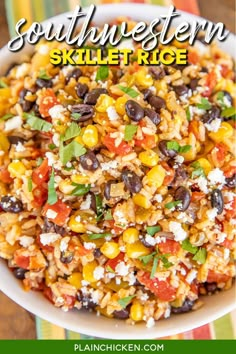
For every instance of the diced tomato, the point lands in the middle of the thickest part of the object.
(229, 171)
(214, 277)
(61, 209)
(196, 196)
(22, 261)
(211, 81)
(230, 213)
(170, 175)
(161, 288)
(224, 70)
(47, 101)
(5, 176)
(147, 142)
(221, 151)
(112, 263)
(48, 294)
(40, 194)
(170, 246)
(194, 128)
(193, 57)
(117, 230)
(69, 301)
(122, 149)
(227, 243)
(41, 173)
(44, 247)
(82, 251)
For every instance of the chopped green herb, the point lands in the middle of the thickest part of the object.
(43, 75)
(130, 131)
(129, 91)
(80, 189)
(69, 151)
(165, 261)
(39, 161)
(6, 117)
(108, 215)
(52, 195)
(102, 73)
(185, 148)
(99, 206)
(200, 256)
(109, 269)
(220, 99)
(71, 132)
(171, 205)
(52, 146)
(3, 84)
(134, 58)
(96, 236)
(188, 114)
(147, 259)
(204, 104)
(229, 112)
(37, 123)
(125, 301)
(154, 267)
(76, 116)
(187, 246)
(174, 145)
(151, 230)
(198, 170)
(30, 184)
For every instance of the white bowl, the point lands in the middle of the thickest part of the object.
(88, 323)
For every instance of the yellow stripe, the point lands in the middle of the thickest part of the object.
(50, 331)
(38, 11)
(22, 9)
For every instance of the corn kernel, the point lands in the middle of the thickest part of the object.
(65, 187)
(136, 250)
(137, 312)
(90, 136)
(141, 201)
(80, 179)
(4, 143)
(155, 176)
(110, 249)
(205, 164)
(75, 280)
(3, 190)
(148, 158)
(88, 270)
(104, 102)
(130, 235)
(79, 140)
(224, 132)
(84, 80)
(16, 169)
(120, 105)
(76, 225)
(142, 79)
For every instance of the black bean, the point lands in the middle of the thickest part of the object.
(25, 104)
(226, 95)
(210, 115)
(134, 111)
(89, 161)
(147, 94)
(210, 287)
(131, 180)
(157, 102)
(157, 72)
(164, 150)
(204, 69)
(193, 84)
(231, 181)
(92, 201)
(92, 96)
(14, 140)
(180, 67)
(180, 176)
(184, 196)
(107, 189)
(122, 314)
(186, 307)
(49, 226)
(86, 301)
(19, 273)
(180, 90)
(217, 200)
(41, 83)
(97, 253)
(75, 73)
(66, 257)
(152, 115)
(85, 110)
(11, 204)
(145, 242)
(81, 90)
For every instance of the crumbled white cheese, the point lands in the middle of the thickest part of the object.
(78, 218)
(56, 139)
(26, 241)
(44, 49)
(160, 239)
(126, 44)
(221, 236)
(183, 271)
(150, 322)
(229, 196)
(151, 240)
(214, 125)
(98, 273)
(179, 233)
(216, 176)
(226, 101)
(118, 281)
(228, 206)
(226, 253)
(144, 297)
(112, 114)
(122, 269)
(211, 214)
(64, 244)
(179, 159)
(202, 184)
(51, 158)
(47, 239)
(167, 313)
(51, 214)
(131, 278)
(13, 123)
(96, 296)
(22, 70)
(89, 245)
(20, 147)
(158, 198)
(85, 205)
(191, 276)
(106, 166)
(84, 283)
(57, 111)
(122, 248)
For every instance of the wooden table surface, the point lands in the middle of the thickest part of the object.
(15, 322)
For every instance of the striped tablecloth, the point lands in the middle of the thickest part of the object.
(35, 10)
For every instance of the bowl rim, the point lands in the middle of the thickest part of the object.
(16, 293)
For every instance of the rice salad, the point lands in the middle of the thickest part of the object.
(117, 182)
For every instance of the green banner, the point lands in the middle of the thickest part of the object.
(117, 346)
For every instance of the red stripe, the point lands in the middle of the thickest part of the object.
(202, 332)
(188, 6)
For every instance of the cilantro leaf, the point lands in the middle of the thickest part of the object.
(3, 84)
(80, 189)
(102, 73)
(185, 148)
(76, 116)
(52, 146)
(99, 205)
(71, 132)
(165, 261)
(198, 170)
(37, 123)
(43, 75)
(39, 161)
(173, 204)
(229, 112)
(125, 301)
(187, 246)
(174, 145)
(147, 259)
(52, 195)
(220, 99)
(188, 114)
(108, 215)
(69, 151)
(130, 131)
(154, 267)
(151, 230)
(96, 236)
(204, 104)
(200, 256)
(109, 269)
(6, 117)
(30, 184)
(129, 91)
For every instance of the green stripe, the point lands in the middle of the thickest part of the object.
(223, 328)
(10, 17)
(72, 335)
